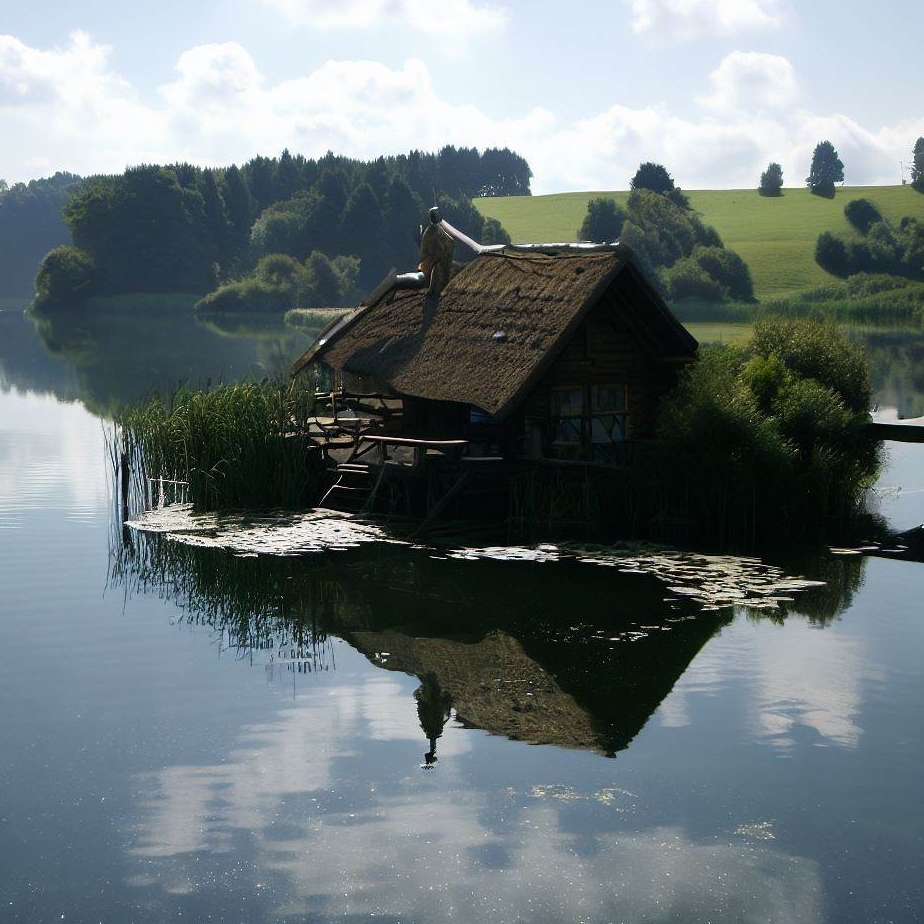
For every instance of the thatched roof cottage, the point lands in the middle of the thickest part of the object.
(558, 351)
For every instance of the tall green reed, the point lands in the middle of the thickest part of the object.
(236, 446)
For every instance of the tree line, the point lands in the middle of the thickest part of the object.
(827, 169)
(30, 225)
(183, 228)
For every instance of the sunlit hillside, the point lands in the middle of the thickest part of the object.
(775, 236)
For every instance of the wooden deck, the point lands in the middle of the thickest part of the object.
(900, 431)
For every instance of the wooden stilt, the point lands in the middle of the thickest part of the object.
(441, 504)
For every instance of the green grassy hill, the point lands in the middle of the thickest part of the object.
(775, 236)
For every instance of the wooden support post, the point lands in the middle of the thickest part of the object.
(124, 475)
(374, 491)
(441, 504)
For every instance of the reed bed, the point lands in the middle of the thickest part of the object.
(235, 446)
(312, 319)
(901, 306)
(877, 301)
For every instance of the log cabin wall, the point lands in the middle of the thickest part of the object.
(434, 419)
(607, 350)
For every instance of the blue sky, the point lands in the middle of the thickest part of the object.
(714, 89)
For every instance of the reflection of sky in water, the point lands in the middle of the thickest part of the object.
(340, 820)
(150, 775)
(51, 458)
(803, 677)
(900, 490)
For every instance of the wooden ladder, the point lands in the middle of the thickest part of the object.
(354, 481)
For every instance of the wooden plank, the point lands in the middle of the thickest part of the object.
(414, 441)
(900, 431)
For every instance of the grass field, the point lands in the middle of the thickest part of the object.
(775, 236)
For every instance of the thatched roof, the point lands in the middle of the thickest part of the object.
(496, 328)
(493, 683)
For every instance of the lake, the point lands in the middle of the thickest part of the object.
(422, 734)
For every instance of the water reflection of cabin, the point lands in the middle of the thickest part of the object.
(529, 353)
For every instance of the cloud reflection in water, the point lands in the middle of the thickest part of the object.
(328, 802)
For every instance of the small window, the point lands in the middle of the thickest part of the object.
(609, 398)
(567, 416)
(607, 421)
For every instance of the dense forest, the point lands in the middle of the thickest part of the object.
(182, 228)
(31, 224)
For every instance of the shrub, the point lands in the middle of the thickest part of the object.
(859, 258)
(705, 234)
(831, 254)
(603, 222)
(687, 279)
(885, 249)
(912, 232)
(715, 431)
(881, 249)
(862, 214)
(771, 438)
(493, 232)
(66, 277)
(656, 178)
(766, 377)
(771, 181)
(246, 295)
(862, 284)
(727, 269)
(280, 271)
(809, 413)
(280, 283)
(816, 350)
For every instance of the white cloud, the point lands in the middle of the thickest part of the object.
(31, 75)
(296, 817)
(748, 81)
(68, 109)
(457, 19)
(684, 20)
(65, 108)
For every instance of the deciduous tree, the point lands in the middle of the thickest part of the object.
(656, 178)
(826, 170)
(603, 221)
(917, 165)
(771, 181)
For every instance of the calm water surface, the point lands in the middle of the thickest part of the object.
(191, 735)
